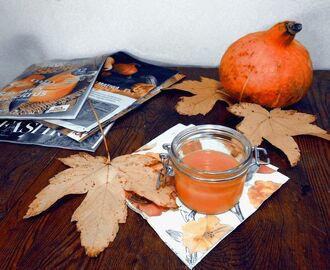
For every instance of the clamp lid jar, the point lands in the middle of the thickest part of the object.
(210, 164)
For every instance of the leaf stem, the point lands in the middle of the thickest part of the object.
(102, 132)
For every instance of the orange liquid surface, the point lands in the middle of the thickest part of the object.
(206, 197)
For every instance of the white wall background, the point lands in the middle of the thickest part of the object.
(172, 32)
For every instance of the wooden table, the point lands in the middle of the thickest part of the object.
(289, 231)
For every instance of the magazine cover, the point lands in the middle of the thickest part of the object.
(123, 83)
(53, 90)
(30, 132)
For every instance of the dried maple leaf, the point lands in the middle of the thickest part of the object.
(277, 126)
(142, 179)
(104, 207)
(206, 93)
(203, 234)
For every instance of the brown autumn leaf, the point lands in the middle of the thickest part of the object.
(104, 206)
(277, 127)
(142, 180)
(206, 93)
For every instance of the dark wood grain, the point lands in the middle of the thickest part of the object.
(289, 231)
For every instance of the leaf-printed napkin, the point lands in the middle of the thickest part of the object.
(190, 235)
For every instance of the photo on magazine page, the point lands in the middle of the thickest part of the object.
(31, 132)
(53, 90)
(123, 82)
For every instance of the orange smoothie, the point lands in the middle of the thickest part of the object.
(209, 197)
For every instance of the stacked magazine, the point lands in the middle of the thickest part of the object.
(63, 103)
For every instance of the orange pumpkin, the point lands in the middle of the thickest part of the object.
(55, 87)
(23, 84)
(125, 69)
(269, 68)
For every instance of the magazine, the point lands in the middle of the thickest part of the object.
(123, 84)
(31, 132)
(81, 136)
(53, 90)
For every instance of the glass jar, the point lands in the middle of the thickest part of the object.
(210, 164)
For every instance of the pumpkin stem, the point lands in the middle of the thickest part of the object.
(283, 33)
(293, 27)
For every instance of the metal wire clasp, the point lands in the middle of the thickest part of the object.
(167, 169)
(256, 151)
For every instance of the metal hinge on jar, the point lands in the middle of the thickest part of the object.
(167, 169)
(256, 152)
